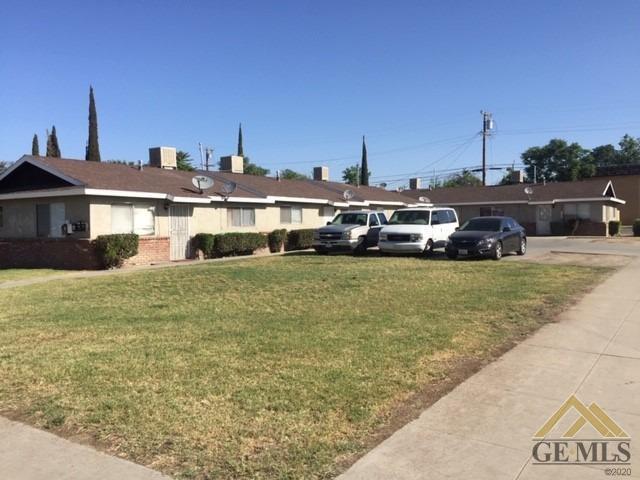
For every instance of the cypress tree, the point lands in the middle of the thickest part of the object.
(35, 147)
(93, 149)
(364, 167)
(240, 149)
(53, 148)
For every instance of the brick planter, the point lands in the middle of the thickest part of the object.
(151, 250)
(62, 253)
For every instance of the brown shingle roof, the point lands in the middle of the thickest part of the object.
(592, 188)
(111, 176)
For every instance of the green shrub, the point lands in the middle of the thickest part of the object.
(113, 250)
(206, 243)
(636, 227)
(276, 240)
(614, 227)
(299, 239)
(237, 243)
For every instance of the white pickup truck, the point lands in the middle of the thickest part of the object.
(418, 230)
(353, 231)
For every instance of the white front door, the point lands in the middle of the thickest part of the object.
(543, 220)
(179, 231)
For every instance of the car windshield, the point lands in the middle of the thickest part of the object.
(482, 225)
(350, 219)
(415, 217)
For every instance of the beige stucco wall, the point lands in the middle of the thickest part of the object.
(19, 216)
(213, 218)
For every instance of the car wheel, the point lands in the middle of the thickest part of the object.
(497, 251)
(428, 249)
(361, 248)
(452, 255)
(523, 246)
(322, 252)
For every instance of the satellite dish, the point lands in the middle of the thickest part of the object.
(528, 190)
(202, 182)
(348, 195)
(228, 187)
(425, 199)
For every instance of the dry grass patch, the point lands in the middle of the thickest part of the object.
(279, 367)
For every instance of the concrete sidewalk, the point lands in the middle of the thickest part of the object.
(27, 453)
(484, 428)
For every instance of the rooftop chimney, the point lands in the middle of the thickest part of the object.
(517, 176)
(232, 163)
(163, 157)
(321, 174)
(414, 184)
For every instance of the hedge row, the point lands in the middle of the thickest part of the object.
(237, 243)
(114, 249)
(299, 239)
(229, 244)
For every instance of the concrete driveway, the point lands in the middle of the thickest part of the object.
(538, 246)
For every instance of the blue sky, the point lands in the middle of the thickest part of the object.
(307, 78)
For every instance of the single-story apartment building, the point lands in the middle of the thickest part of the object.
(627, 181)
(51, 208)
(579, 208)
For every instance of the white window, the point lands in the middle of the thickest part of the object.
(241, 217)
(138, 219)
(290, 214)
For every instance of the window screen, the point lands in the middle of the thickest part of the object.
(139, 219)
(241, 217)
(121, 219)
(144, 221)
(290, 214)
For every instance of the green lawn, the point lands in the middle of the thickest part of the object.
(10, 274)
(279, 367)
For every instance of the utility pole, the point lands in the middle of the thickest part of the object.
(487, 126)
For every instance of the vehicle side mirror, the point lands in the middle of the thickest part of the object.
(457, 228)
(506, 229)
(328, 223)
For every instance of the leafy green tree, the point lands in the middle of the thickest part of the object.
(604, 155)
(288, 174)
(558, 161)
(183, 161)
(364, 165)
(351, 175)
(629, 150)
(92, 153)
(253, 169)
(35, 146)
(53, 147)
(3, 166)
(462, 179)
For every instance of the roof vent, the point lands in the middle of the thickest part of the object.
(232, 163)
(414, 184)
(321, 174)
(163, 157)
